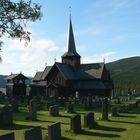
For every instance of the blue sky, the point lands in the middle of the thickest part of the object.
(102, 28)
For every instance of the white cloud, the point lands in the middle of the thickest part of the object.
(98, 57)
(17, 57)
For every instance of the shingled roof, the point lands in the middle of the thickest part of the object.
(66, 70)
(90, 71)
(16, 76)
(85, 71)
(37, 76)
(45, 72)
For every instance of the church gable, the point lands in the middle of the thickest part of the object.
(105, 74)
(55, 76)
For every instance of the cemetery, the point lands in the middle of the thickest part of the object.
(69, 99)
(107, 120)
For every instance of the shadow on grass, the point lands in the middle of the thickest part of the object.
(135, 111)
(17, 127)
(65, 116)
(51, 122)
(83, 132)
(106, 128)
(126, 116)
(64, 138)
(45, 121)
(125, 122)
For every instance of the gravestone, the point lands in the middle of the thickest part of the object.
(137, 103)
(8, 136)
(61, 101)
(6, 116)
(33, 134)
(130, 106)
(2, 97)
(123, 109)
(54, 132)
(70, 108)
(89, 120)
(32, 110)
(51, 101)
(114, 111)
(85, 103)
(75, 124)
(119, 100)
(89, 101)
(15, 105)
(54, 110)
(105, 109)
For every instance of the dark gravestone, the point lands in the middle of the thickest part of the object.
(119, 100)
(33, 134)
(130, 106)
(2, 97)
(70, 108)
(76, 101)
(54, 131)
(62, 101)
(75, 124)
(51, 101)
(89, 120)
(137, 103)
(6, 116)
(54, 110)
(32, 110)
(105, 109)
(123, 109)
(15, 105)
(89, 101)
(8, 136)
(85, 103)
(114, 111)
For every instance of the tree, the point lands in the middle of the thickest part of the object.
(14, 17)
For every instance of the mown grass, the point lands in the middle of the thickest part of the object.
(124, 127)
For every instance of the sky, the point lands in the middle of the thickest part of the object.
(107, 29)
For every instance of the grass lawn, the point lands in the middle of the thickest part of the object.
(124, 127)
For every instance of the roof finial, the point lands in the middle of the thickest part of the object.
(70, 10)
(54, 59)
(104, 59)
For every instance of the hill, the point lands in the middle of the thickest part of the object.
(125, 73)
(2, 81)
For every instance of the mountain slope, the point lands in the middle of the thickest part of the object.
(126, 74)
(2, 81)
(127, 69)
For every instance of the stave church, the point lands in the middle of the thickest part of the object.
(70, 76)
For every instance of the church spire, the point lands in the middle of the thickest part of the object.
(71, 57)
(71, 42)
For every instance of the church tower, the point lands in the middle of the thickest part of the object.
(71, 57)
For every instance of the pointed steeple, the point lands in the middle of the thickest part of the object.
(71, 43)
(71, 57)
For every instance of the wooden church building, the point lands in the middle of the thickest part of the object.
(16, 85)
(70, 76)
